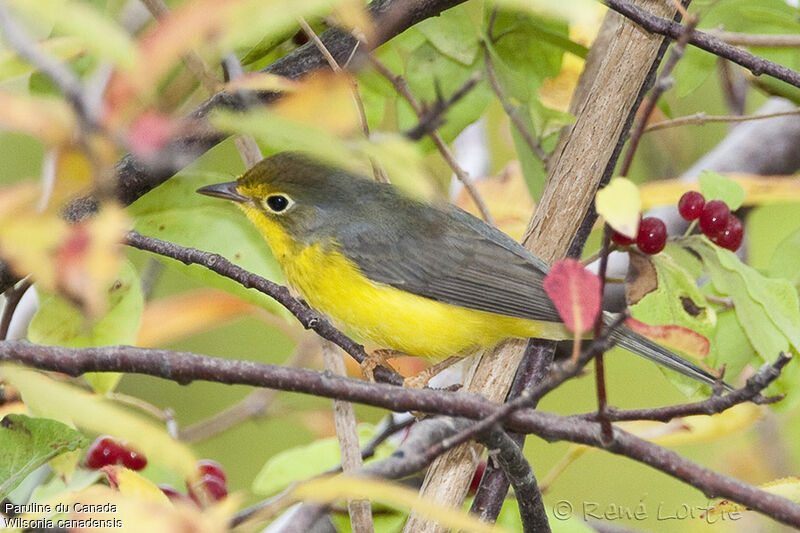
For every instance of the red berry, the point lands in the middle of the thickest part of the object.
(620, 239)
(214, 487)
(211, 468)
(731, 236)
(652, 235)
(133, 459)
(691, 205)
(104, 451)
(714, 218)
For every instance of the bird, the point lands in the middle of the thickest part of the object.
(411, 277)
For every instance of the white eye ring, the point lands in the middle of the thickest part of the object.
(277, 203)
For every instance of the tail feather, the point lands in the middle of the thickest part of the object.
(630, 340)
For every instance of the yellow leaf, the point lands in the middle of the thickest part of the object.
(73, 176)
(29, 238)
(261, 81)
(757, 190)
(131, 483)
(323, 100)
(787, 487)
(334, 488)
(352, 16)
(132, 513)
(698, 428)
(48, 119)
(619, 204)
(93, 413)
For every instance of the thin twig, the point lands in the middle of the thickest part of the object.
(347, 434)
(186, 367)
(198, 67)
(377, 170)
(705, 41)
(12, 299)
(59, 74)
(599, 367)
(401, 86)
(511, 111)
(433, 116)
(751, 392)
(248, 148)
(700, 119)
(662, 84)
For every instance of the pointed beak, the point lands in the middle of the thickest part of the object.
(226, 191)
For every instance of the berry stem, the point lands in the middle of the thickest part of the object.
(690, 229)
(599, 253)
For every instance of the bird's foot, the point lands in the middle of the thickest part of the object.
(376, 359)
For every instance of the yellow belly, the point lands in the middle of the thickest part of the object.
(399, 320)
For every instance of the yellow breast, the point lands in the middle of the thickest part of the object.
(390, 317)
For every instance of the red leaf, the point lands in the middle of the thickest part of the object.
(575, 292)
(149, 133)
(674, 337)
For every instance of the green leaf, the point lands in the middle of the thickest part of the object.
(303, 462)
(99, 33)
(63, 48)
(765, 16)
(677, 300)
(58, 323)
(427, 69)
(785, 260)
(95, 414)
(522, 59)
(767, 309)
(175, 212)
(454, 33)
(717, 187)
(27, 443)
(257, 20)
(731, 346)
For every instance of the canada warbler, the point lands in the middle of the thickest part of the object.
(427, 281)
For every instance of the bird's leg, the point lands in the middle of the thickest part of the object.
(376, 359)
(420, 380)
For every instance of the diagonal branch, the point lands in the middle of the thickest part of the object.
(705, 41)
(309, 318)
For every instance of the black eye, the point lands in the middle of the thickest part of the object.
(277, 203)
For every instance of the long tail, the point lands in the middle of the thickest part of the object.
(630, 340)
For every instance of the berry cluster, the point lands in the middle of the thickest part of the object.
(210, 485)
(714, 218)
(107, 450)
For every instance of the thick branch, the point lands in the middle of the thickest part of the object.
(185, 367)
